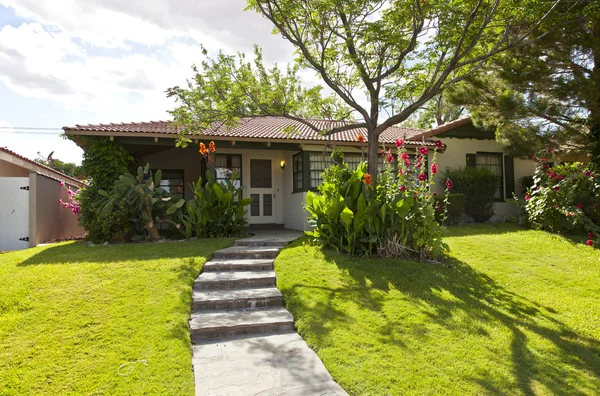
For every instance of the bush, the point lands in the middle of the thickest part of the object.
(526, 183)
(102, 160)
(395, 216)
(217, 209)
(564, 199)
(479, 186)
(456, 208)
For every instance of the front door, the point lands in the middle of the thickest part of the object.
(262, 191)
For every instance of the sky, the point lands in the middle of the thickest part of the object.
(67, 62)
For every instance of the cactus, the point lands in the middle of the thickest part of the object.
(150, 202)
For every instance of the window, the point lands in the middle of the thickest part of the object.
(226, 165)
(260, 173)
(319, 162)
(493, 162)
(172, 181)
(297, 171)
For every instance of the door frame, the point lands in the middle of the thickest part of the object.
(276, 189)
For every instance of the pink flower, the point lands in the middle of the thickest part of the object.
(399, 142)
(383, 153)
(60, 202)
(423, 150)
(543, 159)
(422, 177)
(591, 235)
(555, 206)
(559, 177)
(527, 197)
(590, 242)
(438, 208)
(579, 205)
(434, 169)
(556, 188)
(588, 173)
(434, 193)
(402, 188)
(449, 184)
(533, 157)
(546, 166)
(62, 184)
(390, 158)
(553, 175)
(438, 143)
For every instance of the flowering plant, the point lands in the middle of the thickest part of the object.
(564, 198)
(73, 203)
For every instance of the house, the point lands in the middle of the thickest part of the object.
(29, 209)
(277, 168)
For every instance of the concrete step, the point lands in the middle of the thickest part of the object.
(211, 325)
(247, 252)
(239, 265)
(210, 300)
(234, 280)
(269, 243)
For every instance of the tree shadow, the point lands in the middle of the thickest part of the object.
(475, 295)
(78, 252)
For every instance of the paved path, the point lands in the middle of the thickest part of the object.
(243, 337)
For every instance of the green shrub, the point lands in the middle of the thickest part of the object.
(102, 161)
(456, 208)
(479, 186)
(526, 183)
(352, 215)
(564, 199)
(217, 209)
(141, 195)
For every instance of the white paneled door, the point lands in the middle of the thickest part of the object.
(14, 213)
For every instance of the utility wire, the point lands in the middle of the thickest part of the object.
(31, 128)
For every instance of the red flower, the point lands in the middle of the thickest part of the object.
(399, 142)
(434, 193)
(553, 175)
(422, 177)
(579, 205)
(438, 208)
(549, 149)
(543, 159)
(527, 197)
(556, 188)
(533, 157)
(402, 188)
(390, 158)
(367, 179)
(203, 149)
(546, 166)
(559, 178)
(360, 138)
(591, 235)
(383, 153)
(434, 169)
(588, 173)
(404, 156)
(438, 143)
(449, 184)
(590, 242)
(423, 150)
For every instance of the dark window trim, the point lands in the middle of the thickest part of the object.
(300, 171)
(229, 165)
(502, 187)
(182, 171)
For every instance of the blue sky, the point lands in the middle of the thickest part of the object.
(71, 62)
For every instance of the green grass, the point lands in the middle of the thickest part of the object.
(70, 315)
(514, 312)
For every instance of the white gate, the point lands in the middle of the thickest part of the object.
(14, 213)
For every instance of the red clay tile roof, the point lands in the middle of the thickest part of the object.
(46, 170)
(270, 128)
(444, 128)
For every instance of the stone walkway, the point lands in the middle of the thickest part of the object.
(243, 337)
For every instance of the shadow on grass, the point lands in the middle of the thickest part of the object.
(78, 252)
(475, 294)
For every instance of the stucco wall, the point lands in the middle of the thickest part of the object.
(49, 220)
(455, 155)
(8, 169)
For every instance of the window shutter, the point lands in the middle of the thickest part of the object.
(471, 161)
(509, 172)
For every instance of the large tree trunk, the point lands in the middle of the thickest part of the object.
(372, 153)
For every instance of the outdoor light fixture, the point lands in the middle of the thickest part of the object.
(282, 164)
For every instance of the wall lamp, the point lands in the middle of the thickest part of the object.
(282, 164)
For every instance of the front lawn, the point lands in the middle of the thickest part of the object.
(515, 312)
(70, 315)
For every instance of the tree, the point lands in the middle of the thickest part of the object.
(68, 168)
(400, 54)
(546, 94)
(436, 112)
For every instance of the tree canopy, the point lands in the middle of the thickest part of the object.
(397, 54)
(545, 94)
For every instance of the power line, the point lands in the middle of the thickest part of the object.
(24, 132)
(30, 128)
